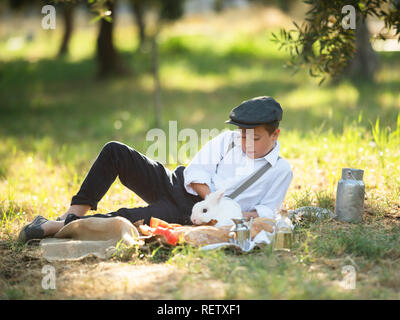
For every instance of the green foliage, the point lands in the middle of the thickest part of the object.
(124, 252)
(14, 294)
(322, 44)
(303, 198)
(325, 199)
(101, 10)
(176, 45)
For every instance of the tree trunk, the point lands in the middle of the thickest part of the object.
(138, 11)
(365, 62)
(218, 5)
(109, 61)
(68, 18)
(156, 78)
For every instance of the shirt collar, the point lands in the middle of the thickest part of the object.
(272, 156)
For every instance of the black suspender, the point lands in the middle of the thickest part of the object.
(250, 180)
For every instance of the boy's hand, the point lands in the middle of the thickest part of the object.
(250, 214)
(201, 188)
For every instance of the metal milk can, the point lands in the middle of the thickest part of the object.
(350, 196)
(240, 233)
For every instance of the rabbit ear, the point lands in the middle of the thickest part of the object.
(216, 196)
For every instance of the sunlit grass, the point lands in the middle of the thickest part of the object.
(55, 117)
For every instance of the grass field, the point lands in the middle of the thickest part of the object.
(55, 117)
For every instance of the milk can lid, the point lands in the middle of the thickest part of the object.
(350, 173)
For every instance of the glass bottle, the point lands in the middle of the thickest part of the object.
(283, 233)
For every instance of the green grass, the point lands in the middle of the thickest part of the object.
(363, 241)
(55, 117)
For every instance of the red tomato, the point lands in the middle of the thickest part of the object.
(169, 235)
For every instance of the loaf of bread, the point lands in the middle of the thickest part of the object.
(260, 224)
(208, 234)
(202, 235)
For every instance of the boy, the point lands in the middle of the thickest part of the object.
(223, 163)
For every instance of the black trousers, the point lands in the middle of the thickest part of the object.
(161, 188)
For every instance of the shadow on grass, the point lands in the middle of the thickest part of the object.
(62, 100)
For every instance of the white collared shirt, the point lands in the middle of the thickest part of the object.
(220, 169)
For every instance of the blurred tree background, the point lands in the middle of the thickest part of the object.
(328, 48)
(318, 41)
(128, 35)
(114, 70)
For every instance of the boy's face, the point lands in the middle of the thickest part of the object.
(260, 138)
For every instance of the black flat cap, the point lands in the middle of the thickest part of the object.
(254, 112)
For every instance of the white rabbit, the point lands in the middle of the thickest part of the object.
(215, 207)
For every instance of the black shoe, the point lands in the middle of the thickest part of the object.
(32, 230)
